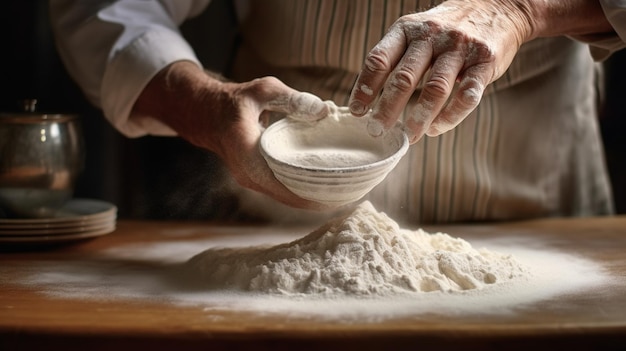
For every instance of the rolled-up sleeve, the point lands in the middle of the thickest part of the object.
(112, 49)
(603, 45)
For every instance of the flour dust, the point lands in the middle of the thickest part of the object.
(359, 267)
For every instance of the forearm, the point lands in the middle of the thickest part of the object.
(206, 110)
(113, 49)
(169, 98)
(570, 17)
(599, 23)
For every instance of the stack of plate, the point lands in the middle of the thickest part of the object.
(78, 219)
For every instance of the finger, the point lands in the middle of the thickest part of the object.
(275, 96)
(400, 86)
(250, 170)
(278, 97)
(378, 64)
(435, 92)
(261, 179)
(299, 105)
(466, 98)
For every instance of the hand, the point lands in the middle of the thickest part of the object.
(456, 49)
(224, 117)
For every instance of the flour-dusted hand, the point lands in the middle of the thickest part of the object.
(300, 105)
(224, 117)
(455, 49)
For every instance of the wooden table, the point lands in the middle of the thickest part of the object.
(31, 319)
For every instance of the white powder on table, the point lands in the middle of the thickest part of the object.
(364, 253)
(381, 273)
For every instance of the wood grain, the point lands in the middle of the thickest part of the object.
(30, 319)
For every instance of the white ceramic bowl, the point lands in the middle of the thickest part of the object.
(333, 161)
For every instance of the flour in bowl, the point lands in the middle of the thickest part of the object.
(331, 157)
(364, 253)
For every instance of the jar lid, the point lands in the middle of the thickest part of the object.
(29, 115)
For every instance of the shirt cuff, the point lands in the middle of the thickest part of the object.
(131, 69)
(602, 46)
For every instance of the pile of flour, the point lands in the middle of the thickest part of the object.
(365, 254)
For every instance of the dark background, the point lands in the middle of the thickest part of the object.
(114, 172)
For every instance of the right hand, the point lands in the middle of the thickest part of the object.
(460, 43)
(223, 117)
(456, 50)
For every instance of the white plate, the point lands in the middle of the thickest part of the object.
(45, 239)
(58, 231)
(57, 226)
(75, 211)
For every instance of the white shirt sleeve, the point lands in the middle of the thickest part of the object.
(602, 46)
(112, 49)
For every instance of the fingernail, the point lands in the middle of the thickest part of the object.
(357, 108)
(433, 131)
(437, 129)
(411, 135)
(413, 130)
(375, 128)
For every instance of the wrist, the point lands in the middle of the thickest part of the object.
(170, 98)
(547, 18)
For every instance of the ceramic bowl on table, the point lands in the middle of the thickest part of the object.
(333, 161)
(41, 155)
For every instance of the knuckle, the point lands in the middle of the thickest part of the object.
(377, 61)
(418, 28)
(403, 22)
(269, 80)
(268, 83)
(438, 86)
(261, 85)
(481, 52)
(471, 97)
(449, 40)
(470, 93)
(404, 80)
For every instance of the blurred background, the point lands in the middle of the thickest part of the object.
(126, 172)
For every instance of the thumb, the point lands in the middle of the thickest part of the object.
(299, 105)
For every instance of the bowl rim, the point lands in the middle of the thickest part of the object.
(397, 128)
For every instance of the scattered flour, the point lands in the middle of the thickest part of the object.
(364, 253)
(361, 268)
